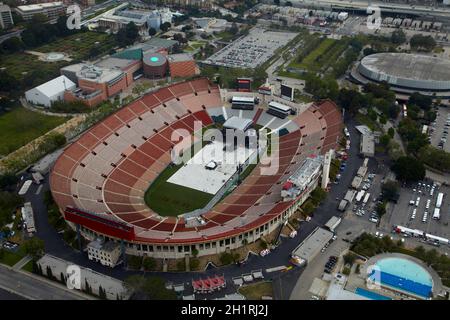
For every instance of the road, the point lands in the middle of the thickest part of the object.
(10, 35)
(6, 295)
(328, 209)
(26, 286)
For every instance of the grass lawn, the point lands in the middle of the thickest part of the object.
(11, 258)
(20, 126)
(291, 75)
(28, 267)
(257, 290)
(302, 98)
(168, 199)
(19, 64)
(78, 45)
(364, 119)
(225, 36)
(310, 62)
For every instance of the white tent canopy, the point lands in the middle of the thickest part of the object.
(50, 91)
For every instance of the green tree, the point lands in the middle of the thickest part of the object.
(398, 36)
(194, 264)
(384, 140)
(149, 263)
(422, 43)
(308, 208)
(420, 100)
(408, 169)
(390, 190)
(391, 132)
(128, 35)
(12, 45)
(435, 158)
(165, 26)
(349, 258)
(381, 209)
(34, 247)
(102, 293)
(9, 202)
(7, 82)
(134, 262)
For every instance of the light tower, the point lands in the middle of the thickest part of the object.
(326, 169)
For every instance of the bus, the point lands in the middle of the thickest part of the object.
(360, 195)
(366, 198)
(437, 214)
(278, 110)
(440, 197)
(244, 103)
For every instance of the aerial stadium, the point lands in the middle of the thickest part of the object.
(406, 73)
(118, 181)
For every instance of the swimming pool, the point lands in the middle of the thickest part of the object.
(403, 274)
(371, 295)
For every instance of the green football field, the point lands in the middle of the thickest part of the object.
(168, 199)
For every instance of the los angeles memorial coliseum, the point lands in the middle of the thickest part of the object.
(100, 180)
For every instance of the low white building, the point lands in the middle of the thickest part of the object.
(114, 289)
(49, 92)
(6, 19)
(52, 10)
(107, 253)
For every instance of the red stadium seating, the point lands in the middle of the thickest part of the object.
(127, 168)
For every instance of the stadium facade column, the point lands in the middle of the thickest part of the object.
(326, 169)
(124, 256)
(80, 247)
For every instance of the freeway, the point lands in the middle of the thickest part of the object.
(385, 7)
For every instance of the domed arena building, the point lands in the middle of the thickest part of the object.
(406, 73)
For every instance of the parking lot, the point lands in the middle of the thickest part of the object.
(365, 208)
(252, 50)
(402, 213)
(404, 209)
(439, 130)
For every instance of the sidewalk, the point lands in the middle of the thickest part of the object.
(19, 265)
(28, 106)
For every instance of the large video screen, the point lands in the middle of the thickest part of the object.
(287, 92)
